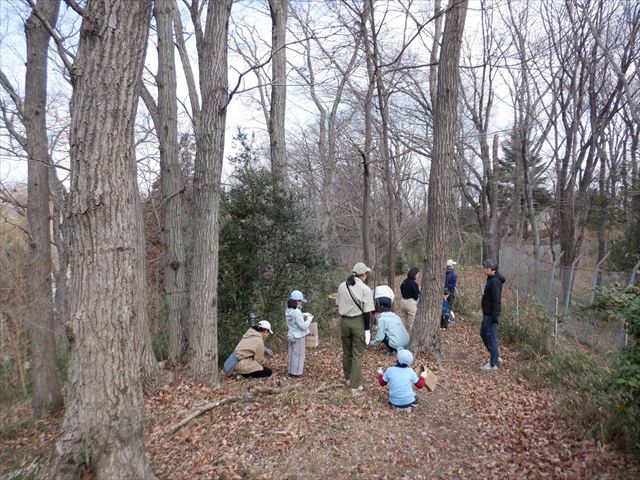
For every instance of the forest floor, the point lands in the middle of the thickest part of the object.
(474, 425)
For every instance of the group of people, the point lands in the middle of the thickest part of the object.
(358, 307)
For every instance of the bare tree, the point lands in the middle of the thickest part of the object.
(166, 121)
(202, 353)
(424, 335)
(103, 426)
(46, 394)
(278, 10)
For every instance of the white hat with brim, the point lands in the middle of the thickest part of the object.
(266, 325)
(360, 268)
(451, 263)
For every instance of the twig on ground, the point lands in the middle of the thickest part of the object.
(247, 397)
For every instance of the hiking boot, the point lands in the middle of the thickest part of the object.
(487, 367)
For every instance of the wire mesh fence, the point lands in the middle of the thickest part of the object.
(561, 291)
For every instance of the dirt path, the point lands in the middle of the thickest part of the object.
(475, 425)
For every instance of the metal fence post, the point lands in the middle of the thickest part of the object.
(569, 290)
(552, 279)
(592, 296)
(555, 321)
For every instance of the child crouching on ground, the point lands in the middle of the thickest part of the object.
(401, 379)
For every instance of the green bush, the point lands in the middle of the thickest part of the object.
(530, 333)
(267, 248)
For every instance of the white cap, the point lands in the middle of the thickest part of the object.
(451, 263)
(384, 291)
(266, 325)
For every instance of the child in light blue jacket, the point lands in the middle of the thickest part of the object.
(401, 378)
(298, 324)
(389, 327)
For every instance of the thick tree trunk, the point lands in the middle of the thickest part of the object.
(278, 9)
(424, 336)
(46, 394)
(175, 284)
(203, 318)
(103, 427)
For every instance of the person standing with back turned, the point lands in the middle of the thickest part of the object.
(491, 310)
(355, 304)
(410, 294)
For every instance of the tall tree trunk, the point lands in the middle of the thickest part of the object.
(424, 336)
(368, 137)
(202, 353)
(491, 241)
(278, 9)
(175, 284)
(103, 428)
(383, 104)
(46, 394)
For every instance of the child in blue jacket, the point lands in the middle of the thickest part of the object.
(446, 310)
(401, 378)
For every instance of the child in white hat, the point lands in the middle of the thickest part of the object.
(401, 378)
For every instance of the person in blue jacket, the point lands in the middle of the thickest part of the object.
(401, 378)
(390, 329)
(446, 310)
(298, 328)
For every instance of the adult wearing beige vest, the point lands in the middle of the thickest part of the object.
(355, 304)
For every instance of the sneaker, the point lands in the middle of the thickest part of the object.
(357, 391)
(348, 382)
(239, 377)
(500, 360)
(487, 367)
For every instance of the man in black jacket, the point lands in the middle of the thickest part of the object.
(491, 309)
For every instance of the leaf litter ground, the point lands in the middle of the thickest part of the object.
(474, 425)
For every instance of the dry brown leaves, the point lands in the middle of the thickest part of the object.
(474, 425)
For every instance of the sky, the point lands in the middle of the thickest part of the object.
(243, 111)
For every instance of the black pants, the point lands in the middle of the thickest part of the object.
(389, 347)
(265, 372)
(444, 321)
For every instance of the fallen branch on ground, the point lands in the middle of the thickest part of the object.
(247, 397)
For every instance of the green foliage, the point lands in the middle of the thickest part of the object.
(266, 250)
(623, 306)
(625, 252)
(530, 333)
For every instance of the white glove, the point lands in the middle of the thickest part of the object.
(379, 371)
(367, 336)
(268, 352)
(424, 374)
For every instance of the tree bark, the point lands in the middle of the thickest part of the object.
(103, 428)
(424, 336)
(175, 284)
(202, 356)
(46, 395)
(392, 213)
(365, 153)
(278, 9)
